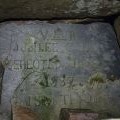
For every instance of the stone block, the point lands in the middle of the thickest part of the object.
(49, 9)
(54, 66)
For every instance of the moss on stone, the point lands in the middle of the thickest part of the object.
(97, 78)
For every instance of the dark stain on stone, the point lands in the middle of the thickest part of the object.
(54, 59)
(2, 69)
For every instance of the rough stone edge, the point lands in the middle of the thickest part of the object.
(117, 28)
(2, 69)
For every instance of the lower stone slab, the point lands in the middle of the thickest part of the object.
(54, 66)
(78, 114)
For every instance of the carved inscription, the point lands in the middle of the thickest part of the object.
(58, 66)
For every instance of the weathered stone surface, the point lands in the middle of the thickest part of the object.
(54, 66)
(4, 116)
(117, 28)
(23, 113)
(47, 9)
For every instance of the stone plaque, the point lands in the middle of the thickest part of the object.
(54, 66)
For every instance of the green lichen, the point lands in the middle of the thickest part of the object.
(44, 100)
(97, 78)
(44, 82)
(45, 104)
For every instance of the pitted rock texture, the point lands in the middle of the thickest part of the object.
(48, 9)
(54, 66)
